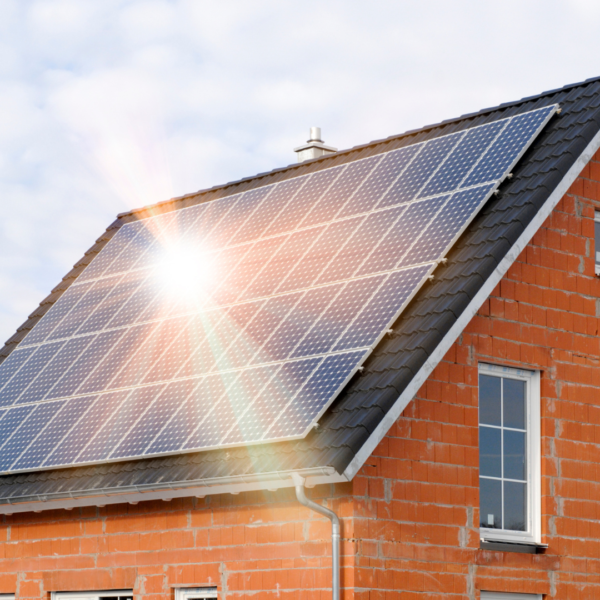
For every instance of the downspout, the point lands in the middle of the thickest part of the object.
(335, 533)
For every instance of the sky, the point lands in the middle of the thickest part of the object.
(109, 105)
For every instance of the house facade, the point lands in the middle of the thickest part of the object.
(485, 484)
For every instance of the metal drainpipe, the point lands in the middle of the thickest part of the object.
(335, 533)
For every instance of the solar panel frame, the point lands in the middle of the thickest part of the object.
(233, 202)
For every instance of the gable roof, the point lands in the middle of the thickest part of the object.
(362, 414)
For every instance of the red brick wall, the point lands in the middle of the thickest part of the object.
(410, 516)
(242, 544)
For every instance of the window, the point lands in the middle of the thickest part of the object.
(99, 595)
(509, 596)
(195, 593)
(597, 240)
(509, 454)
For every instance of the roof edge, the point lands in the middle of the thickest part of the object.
(169, 490)
(471, 310)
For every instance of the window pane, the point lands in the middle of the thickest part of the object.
(514, 455)
(490, 503)
(514, 506)
(514, 403)
(489, 400)
(490, 464)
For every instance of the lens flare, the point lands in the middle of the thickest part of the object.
(186, 272)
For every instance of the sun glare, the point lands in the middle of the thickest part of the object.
(186, 272)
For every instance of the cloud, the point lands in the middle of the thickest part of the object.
(108, 105)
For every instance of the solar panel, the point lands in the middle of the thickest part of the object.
(238, 321)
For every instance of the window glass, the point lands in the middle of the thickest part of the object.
(195, 593)
(503, 468)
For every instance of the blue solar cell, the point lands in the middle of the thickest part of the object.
(462, 159)
(223, 332)
(84, 308)
(77, 373)
(199, 408)
(263, 414)
(319, 255)
(56, 314)
(309, 274)
(377, 183)
(11, 420)
(136, 248)
(452, 219)
(27, 432)
(240, 212)
(116, 427)
(155, 418)
(15, 360)
(120, 240)
(237, 280)
(112, 302)
(333, 322)
(255, 416)
(284, 260)
(103, 372)
(340, 192)
(65, 420)
(385, 304)
(54, 369)
(298, 323)
(407, 187)
(275, 203)
(15, 386)
(509, 145)
(351, 255)
(137, 303)
(302, 203)
(247, 347)
(401, 236)
(78, 437)
(148, 352)
(316, 393)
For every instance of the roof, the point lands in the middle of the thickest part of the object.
(364, 411)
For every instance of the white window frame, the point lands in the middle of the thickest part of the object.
(596, 261)
(7, 597)
(89, 595)
(509, 596)
(534, 480)
(195, 593)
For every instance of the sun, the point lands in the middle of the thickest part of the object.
(187, 271)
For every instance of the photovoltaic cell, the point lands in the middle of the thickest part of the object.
(238, 321)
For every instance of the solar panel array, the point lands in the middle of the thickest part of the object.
(239, 320)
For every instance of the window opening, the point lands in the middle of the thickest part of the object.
(509, 454)
(94, 595)
(509, 596)
(195, 593)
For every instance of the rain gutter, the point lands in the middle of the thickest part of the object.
(166, 491)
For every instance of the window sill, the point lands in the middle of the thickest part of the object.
(504, 546)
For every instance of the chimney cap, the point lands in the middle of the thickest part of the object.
(314, 147)
(315, 135)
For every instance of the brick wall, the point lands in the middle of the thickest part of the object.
(410, 516)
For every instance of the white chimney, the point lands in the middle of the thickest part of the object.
(314, 146)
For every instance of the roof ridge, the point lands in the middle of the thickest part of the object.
(329, 157)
